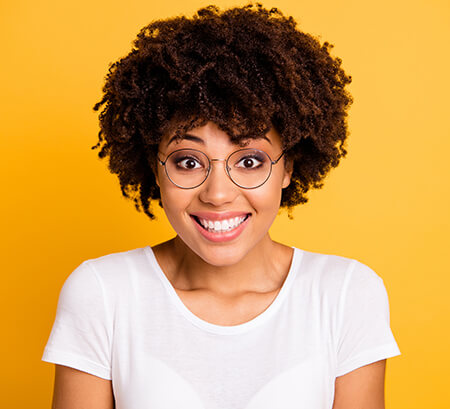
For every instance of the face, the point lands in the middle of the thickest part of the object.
(249, 213)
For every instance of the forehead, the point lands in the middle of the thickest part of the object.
(210, 135)
(175, 139)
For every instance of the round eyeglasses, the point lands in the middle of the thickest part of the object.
(247, 168)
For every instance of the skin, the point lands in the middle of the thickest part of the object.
(252, 262)
(225, 283)
(74, 389)
(362, 388)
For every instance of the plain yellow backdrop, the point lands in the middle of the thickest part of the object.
(387, 204)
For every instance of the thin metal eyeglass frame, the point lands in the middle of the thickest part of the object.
(272, 162)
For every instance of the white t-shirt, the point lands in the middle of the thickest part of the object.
(119, 318)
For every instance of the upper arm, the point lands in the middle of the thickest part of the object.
(361, 388)
(74, 389)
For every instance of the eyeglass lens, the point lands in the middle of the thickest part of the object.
(247, 167)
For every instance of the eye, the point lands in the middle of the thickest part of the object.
(188, 163)
(250, 162)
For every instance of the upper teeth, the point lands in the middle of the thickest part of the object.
(223, 225)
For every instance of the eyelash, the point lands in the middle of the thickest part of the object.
(253, 157)
(186, 158)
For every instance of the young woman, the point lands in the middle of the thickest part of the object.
(223, 118)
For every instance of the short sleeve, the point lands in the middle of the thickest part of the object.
(81, 333)
(364, 332)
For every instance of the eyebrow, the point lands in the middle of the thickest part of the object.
(194, 138)
(188, 137)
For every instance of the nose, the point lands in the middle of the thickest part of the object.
(218, 189)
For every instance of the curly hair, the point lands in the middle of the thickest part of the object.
(247, 69)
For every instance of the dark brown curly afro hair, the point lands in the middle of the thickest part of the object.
(247, 69)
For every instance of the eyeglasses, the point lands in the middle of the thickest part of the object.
(247, 168)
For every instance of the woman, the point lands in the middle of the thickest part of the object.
(223, 118)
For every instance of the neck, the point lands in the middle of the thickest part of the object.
(263, 269)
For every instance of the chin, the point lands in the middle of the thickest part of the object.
(220, 255)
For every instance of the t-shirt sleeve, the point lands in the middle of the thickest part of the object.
(364, 332)
(81, 334)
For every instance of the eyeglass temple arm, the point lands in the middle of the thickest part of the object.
(273, 162)
(279, 157)
(159, 160)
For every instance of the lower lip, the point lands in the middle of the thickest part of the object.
(225, 236)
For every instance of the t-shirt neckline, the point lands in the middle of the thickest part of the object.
(231, 329)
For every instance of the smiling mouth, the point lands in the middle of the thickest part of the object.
(222, 226)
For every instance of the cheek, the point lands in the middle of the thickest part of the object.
(174, 199)
(267, 197)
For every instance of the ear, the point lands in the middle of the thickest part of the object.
(288, 169)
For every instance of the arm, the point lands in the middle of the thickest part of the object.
(80, 344)
(75, 389)
(362, 388)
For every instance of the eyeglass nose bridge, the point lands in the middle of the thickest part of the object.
(227, 168)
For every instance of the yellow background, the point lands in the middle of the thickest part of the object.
(386, 205)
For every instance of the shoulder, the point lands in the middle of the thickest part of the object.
(121, 257)
(118, 264)
(335, 273)
(109, 273)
